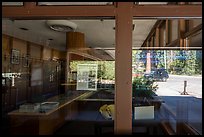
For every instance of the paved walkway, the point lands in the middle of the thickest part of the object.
(193, 107)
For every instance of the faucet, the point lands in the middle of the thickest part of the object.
(11, 76)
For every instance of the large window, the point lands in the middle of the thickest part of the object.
(167, 76)
(72, 70)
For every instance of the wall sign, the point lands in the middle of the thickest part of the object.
(87, 76)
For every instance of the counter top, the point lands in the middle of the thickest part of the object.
(62, 99)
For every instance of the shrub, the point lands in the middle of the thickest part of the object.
(143, 87)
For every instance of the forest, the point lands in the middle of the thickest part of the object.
(176, 62)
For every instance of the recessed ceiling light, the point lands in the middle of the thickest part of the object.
(61, 25)
(24, 29)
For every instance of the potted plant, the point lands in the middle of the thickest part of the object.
(144, 92)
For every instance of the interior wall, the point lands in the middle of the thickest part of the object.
(20, 45)
(47, 52)
(35, 51)
(38, 59)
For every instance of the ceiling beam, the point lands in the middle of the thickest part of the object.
(32, 10)
(157, 24)
(35, 11)
(167, 11)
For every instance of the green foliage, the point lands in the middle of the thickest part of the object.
(192, 64)
(106, 69)
(142, 87)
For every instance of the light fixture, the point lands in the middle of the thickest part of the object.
(61, 25)
(24, 29)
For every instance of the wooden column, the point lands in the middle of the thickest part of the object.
(157, 37)
(151, 41)
(168, 32)
(182, 30)
(74, 41)
(123, 69)
(147, 43)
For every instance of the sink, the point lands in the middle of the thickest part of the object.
(46, 106)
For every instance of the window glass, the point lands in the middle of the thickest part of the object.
(152, 3)
(70, 71)
(75, 3)
(12, 3)
(166, 79)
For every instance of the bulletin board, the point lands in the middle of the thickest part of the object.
(87, 76)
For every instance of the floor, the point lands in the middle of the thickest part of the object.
(76, 128)
(91, 122)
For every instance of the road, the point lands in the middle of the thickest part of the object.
(175, 86)
(170, 92)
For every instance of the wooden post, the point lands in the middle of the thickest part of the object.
(74, 41)
(182, 30)
(157, 37)
(168, 31)
(123, 69)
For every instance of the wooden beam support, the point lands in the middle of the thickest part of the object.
(123, 69)
(147, 44)
(182, 30)
(173, 43)
(168, 31)
(167, 11)
(31, 10)
(152, 41)
(158, 23)
(157, 35)
(193, 31)
(24, 12)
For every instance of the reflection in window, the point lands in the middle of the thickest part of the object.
(178, 62)
(12, 3)
(179, 97)
(75, 3)
(105, 73)
(151, 3)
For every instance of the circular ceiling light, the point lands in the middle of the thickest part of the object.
(61, 25)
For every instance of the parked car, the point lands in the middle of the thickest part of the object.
(157, 75)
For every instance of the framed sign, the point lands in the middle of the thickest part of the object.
(15, 56)
(87, 76)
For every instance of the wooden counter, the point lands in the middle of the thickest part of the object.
(36, 123)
